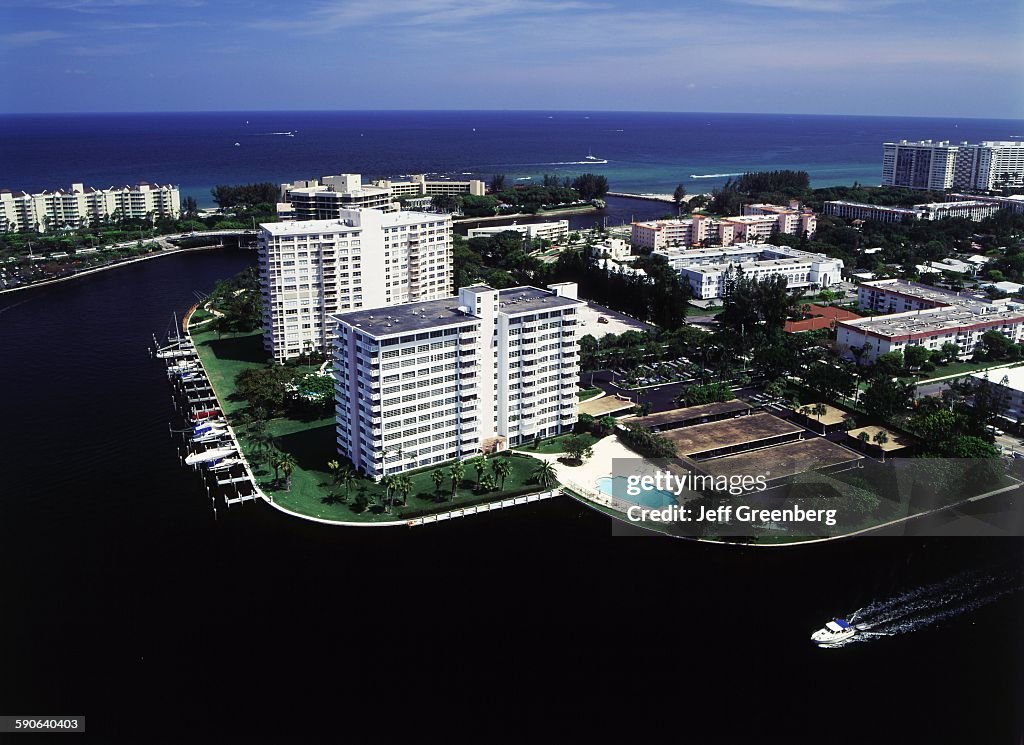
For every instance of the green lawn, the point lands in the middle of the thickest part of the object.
(553, 445)
(958, 368)
(312, 444)
(585, 394)
(693, 310)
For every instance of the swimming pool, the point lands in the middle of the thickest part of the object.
(616, 487)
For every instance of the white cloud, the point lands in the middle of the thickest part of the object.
(29, 38)
(442, 14)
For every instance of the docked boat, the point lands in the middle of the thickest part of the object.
(209, 455)
(836, 630)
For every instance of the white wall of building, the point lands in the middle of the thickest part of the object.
(366, 259)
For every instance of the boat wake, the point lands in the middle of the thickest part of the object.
(924, 606)
(713, 175)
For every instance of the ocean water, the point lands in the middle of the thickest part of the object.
(646, 152)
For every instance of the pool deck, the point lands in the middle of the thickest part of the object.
(583, 478)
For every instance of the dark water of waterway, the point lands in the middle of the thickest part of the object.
(123, 600)
(618, 211)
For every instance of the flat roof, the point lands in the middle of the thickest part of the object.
(782, 461)
(700, 438)
(689, 413)
(832, 415)
(516, 301)
(402, 319)
(896, 440)
(762, 264)
(865, 205)
(429, 314)
(925, 292)
(1014, 376)
(931, 320)
(363, 217)
(598, 407)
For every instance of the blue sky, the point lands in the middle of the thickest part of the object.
(916, 57)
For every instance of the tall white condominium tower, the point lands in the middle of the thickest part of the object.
(365, 259)
(433, 381)
(945, 165)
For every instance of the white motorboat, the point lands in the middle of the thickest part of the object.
(210, 435)
(224, 465)
(209, 455)
(836, 630)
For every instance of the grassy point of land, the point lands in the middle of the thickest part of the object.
(312, 444)
(585, 394)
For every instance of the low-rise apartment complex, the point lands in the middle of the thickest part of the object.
(757, 223)
(365, 258)
(84, 205)
(433, 381)
(708, 270)
(925, 316)
(324, 198)
(554, 231)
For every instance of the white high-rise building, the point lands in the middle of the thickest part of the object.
(85, 205)
(940, 165)
(364, 259)
(433, 381)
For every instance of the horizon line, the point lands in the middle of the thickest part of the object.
(502, 110)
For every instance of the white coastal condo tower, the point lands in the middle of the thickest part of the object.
(365, 258)
(433, 381)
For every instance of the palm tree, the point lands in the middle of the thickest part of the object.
(389, 483)
(404, 488)
(286, 462)
(819, 410)
(438, 478)
(545, 473)
(880, 439)
(347, 475)
(480, 465)
(335, 468)
(865, 438)
(502, 470)
(455, 473)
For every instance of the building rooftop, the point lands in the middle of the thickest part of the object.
(887, 208)
(359, 219)
(692, 413)
(925, 292)
(931, 320)
(1010, 377)
(519, 300)
(430, 314)
(409, 317)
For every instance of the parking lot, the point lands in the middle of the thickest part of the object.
(656, 373)
(616, 322)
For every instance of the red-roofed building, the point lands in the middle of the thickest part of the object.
(822, 317)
